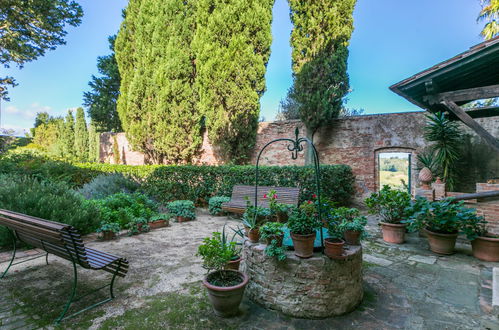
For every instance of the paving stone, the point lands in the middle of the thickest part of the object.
(376, 260)
(430, 260)
(495, 287)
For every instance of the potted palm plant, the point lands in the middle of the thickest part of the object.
(392, 206)
(225, 286)
(485, 245)
(441, 220)
(273, 233)
(303, 223)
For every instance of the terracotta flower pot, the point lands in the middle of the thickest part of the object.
(254, 235)
(486, 248)
(393, 232)
(108, 235)
(158, 224)
(246, 231)
(352, 237)
(282, 217)
(226, 300)
(333, 247)
(279, 239)
(303, 244)
(234, 264)
(441, 243)
(183, 219)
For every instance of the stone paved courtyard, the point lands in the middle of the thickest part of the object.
(406, 287)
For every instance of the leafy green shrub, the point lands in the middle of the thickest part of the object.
(112, 227)
(216, 252)
(122, 208)
(302, 220)
(271, 231)
(391, 205)
(108, 184)
(48, 200)
(181, 208)
(215, 204)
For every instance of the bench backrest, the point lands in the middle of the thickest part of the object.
(54, 237)
(285, 195)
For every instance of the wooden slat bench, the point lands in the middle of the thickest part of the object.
(63, 241)
(237, 203)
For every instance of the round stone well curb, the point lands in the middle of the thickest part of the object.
(317, 287)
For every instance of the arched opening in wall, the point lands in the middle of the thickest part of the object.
(394, 170)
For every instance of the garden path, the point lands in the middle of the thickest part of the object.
(406, 287)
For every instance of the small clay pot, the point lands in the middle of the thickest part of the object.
(303, 244)
(234, 264)
(246, 231)
(486, 248)
(282, 217)
(352, 237)
(333, 247)
(183, 219)
(159, 224)
(393, 232)
(108, 235)
(279, 239)
(254, 235)
(441, 243)
(226, 300)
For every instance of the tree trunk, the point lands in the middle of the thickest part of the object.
(309, 152)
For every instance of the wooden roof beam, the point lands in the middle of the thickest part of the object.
(471, 123)
(464, 95)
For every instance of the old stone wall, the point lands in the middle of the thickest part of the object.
(317, 287)
(354, 141)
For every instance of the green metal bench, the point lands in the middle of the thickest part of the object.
(63, 241)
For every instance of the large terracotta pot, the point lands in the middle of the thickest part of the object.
(333, 247)
(441, 243)
(254, 235)
(352, 237)
(393, 232)
(234, 264)
(303, 244)
(226, 300)
(486, 248)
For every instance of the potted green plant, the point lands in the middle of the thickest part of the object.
(109, 230)
(235, 260)
(441, 220)
(253, 218)
(225, 286)
(351, 223)
(392, 206)
(278, 210)
(333, 245)
(160, 220)
(215, 204)
(273, 233)
(485, 246)
(183, 210)
(303, 223)
(137, 226)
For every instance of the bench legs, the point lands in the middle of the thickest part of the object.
(13, 253)
(73, 294)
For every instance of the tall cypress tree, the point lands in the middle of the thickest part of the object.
(81, 137)
(93, 143)
(67, 137)
(232, 44)
(157, 105)
(319, 39)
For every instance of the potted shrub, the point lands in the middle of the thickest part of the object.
(235, 260)
(351, 223)
(225, 286)
(278, 210)
(160, 220)
(273, 233)
(183, 210)
(392, 206)
(485, 246)
(215, 204)
(109, 230)
(253, 218)
(441, 221)
(303, 224)
(137, 226)
(333, 245)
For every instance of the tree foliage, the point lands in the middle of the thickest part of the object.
(81, 136)
(157, 105)
(232, 44)
(29, 28)
(101, 99)
(320, 38)
(489, 14)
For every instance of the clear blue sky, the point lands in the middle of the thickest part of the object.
(392, 40)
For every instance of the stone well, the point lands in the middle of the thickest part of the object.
(317, 287)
